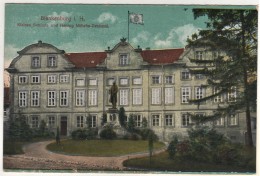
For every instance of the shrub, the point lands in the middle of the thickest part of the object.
(226, 154)
(108, 133)
(172, 148)
(83, 134)
(183, 150)
(144, 133)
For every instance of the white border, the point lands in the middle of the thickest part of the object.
(153, 2)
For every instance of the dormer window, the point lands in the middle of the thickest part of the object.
(52, 61)
(123, 59)
(36, 62)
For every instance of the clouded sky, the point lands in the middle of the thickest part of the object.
(165, 26)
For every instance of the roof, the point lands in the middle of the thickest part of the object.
(86, 60)
(166, 56)
(92, 59)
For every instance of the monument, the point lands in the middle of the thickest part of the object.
(113, 112)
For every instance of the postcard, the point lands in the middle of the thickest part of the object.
(130, 88)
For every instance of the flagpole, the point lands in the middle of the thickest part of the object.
(128, 29)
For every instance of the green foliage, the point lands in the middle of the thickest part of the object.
(144, 123)
(231, 33)
(172, 148)
(104, 119)
(108, 133)
(145, 132)
(122, 117)
(83, 134)
(226, 154)
(19, 129)
(131, 124)
(42, 127)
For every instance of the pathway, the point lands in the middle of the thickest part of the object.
(37, 157)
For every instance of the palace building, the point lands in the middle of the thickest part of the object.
(64, 88)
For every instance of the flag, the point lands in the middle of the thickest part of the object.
(136, 18)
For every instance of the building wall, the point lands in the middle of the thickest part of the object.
(81, 79)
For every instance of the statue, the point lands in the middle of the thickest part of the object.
(113, 95)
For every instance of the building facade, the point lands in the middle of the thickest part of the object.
(63, 89)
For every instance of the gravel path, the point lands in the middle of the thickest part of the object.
(37, 157)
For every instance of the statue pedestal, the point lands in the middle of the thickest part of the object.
(113, 120)
(112, 115)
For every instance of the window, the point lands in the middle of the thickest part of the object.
(199, 93)
(22, 99)
(233, 120)
(35, 98)
(52, 61)
(92, 82)
(137, 81)
(185, 94)
(232, 94)
(35, 79)
(35, 121)
(92, 97)
(80, 98)
(80, 82)
(22, 79)
(93, 121)
(156, 96)
(217, 99)
(110, 81)
(123, 59)
(123, 81)
(123, 93)
(64, 78)
(64, 97)
(156, 79)
(51, 98)
(220, 121)
(169, 95)
(155, 120)
(80, 122)
(52, 78)
(168, 120)
(185, 75)
(138, 120)
(185, 120)
(36, 62)
(199, 55)
(51, 121)
(168, 79)
(137, 96)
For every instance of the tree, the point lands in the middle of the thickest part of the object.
(42, 127)
(131, 124)
(122, 117)
(233, 32)
(19, 129)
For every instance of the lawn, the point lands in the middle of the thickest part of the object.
(161, 162)
(102, 147)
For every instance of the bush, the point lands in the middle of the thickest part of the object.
(83, 134)
(183, 150)
(107, 133)
(226, 154)
(144, 133)
(172, 148)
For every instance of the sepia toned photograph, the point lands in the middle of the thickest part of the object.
(116, 88)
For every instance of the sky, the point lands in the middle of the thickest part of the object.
(165, 26)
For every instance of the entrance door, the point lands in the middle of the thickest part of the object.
(63, 125)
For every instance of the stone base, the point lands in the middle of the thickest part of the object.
(112, 110)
